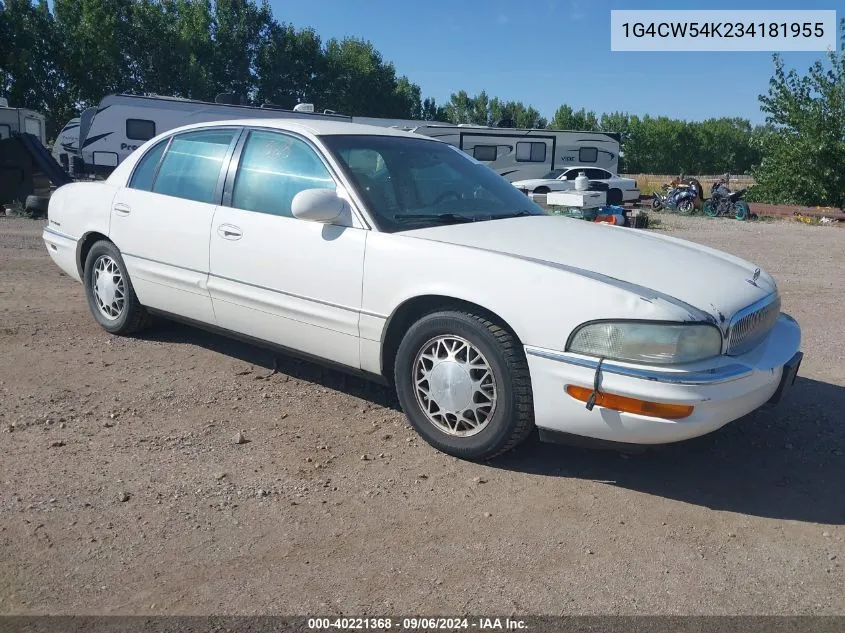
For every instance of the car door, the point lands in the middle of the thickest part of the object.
(161, 221)
(275, 277)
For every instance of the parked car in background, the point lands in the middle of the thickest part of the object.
(618, 189)
(402, 258)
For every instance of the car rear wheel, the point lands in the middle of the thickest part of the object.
(541, 190)
(109, 291)
(463, 382)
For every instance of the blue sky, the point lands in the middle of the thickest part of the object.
(548, 52)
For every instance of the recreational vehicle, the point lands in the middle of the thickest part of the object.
(18, 120)
(520, 154)
(122, 123)
(67, 143)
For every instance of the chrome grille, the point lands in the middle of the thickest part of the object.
(750, 326)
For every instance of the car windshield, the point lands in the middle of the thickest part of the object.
(553, 174)
(410, 183)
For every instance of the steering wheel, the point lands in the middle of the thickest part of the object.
(446, 194)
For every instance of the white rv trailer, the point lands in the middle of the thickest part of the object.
(121, 123)
(520, 154)
(67, 143)
(17, 120)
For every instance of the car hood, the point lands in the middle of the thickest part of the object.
(707, 283)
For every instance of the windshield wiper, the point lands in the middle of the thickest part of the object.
(514, 214)
(443, 218)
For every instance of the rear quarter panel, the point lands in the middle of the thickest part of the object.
(81, 208)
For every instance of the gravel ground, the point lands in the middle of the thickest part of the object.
(123, 488)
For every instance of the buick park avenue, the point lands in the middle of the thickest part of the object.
(400, 257)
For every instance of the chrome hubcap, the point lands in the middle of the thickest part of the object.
(454, 385)
(109, 288)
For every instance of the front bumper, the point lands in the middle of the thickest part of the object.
(721, 390)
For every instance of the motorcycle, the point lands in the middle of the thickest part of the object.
(681, 199)
(720, 205)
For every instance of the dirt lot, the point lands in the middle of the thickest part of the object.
(122, 491)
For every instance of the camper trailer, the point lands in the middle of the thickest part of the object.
(121, 123)
(67, 143)
(26, 167)
(520, 154)
(18, 120)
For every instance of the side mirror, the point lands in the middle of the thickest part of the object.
(318, 205)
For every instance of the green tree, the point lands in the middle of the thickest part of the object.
(194, 22)
(238, 29)
(156, 64)
(460, 108)
(521, 115)
(407, 100)
(289, 65)
(565, 118)
(96, 56)
(31, 72)
(355, 80)
(803, 144)
(432, 112)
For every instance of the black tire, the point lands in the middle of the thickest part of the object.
(512, 419)
(541, 190)
(685, 206)
(36, 206)
(132, 316)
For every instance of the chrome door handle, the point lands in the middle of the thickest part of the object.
(122, 209)
(229, 232)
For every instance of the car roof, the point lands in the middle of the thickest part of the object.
(315, 127)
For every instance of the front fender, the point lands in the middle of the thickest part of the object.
(541, 303)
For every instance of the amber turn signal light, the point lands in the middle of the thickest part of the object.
(632, 405)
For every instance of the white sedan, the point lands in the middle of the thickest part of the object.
(402, 259)
(618, 189)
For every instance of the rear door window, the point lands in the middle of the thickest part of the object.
(145, 170)
(192, 164)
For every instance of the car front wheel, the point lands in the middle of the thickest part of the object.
(464, 384)
(109, 291)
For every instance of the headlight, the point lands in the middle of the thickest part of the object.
(650, 343)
